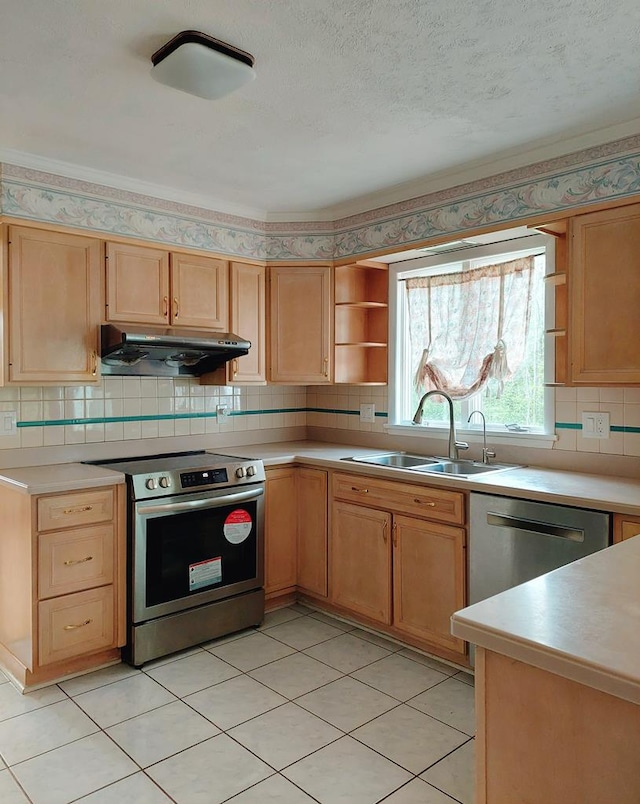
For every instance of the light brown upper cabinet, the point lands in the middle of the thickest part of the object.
(152, 286)
(301, 325)
(54, 307)
(604, 293)
(248, 321)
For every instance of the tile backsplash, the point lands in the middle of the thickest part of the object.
(339, 407)
(131, 408)
(127, 408)
(623, 407)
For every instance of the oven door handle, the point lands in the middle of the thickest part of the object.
(194, 505)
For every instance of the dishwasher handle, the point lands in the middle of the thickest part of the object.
(542, 528)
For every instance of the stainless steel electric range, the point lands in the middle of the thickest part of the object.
(195, 549)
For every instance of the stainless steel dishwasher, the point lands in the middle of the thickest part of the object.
(513, 541)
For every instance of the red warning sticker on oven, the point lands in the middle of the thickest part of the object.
(237, 526)
(205, 573)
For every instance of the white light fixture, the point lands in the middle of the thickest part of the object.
(201, 65)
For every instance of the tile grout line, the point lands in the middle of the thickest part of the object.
(246, 673)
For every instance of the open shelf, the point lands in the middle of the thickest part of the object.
(361, 323)
(359, 364)
(362, 304)
(559, 278)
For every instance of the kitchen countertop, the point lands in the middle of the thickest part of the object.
(598, 492)
(592, 635)
(58, 477)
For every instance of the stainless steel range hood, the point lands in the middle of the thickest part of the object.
(166, 352)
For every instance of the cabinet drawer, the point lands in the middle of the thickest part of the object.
(75, 624)
(74, 560)
(439, 505)
(79, 508)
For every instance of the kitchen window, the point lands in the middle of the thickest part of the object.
(471, 321)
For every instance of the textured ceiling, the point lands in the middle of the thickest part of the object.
(352, 97)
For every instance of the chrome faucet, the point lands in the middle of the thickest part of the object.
(454, 445)
(486, 453)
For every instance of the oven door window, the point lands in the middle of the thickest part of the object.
(198, 551)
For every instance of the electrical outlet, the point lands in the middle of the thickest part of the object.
(368, 413)
(222, 413)
(8, 426)
(595, 425)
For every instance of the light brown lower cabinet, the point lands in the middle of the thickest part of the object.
(361, 561)
(62, 582)
(312, 531)
(399, 570)
(428, 579)
(544, 738)
(280, 531)
(295, 531)
(625, 527)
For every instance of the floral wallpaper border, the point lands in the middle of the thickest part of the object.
(607, 172)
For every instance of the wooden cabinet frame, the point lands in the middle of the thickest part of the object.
(22, 602)
(427, 528)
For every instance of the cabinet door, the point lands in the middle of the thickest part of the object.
(312, 531)
(199, 292)
(301, 325)
(248, 312)
(280, 537)
(625, 527)
(428, 579)
(137, 284)
(605, 296)
(54, 306)
(361, 561)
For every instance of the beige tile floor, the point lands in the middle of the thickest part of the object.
(306, 708)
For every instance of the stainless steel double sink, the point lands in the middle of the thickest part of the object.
(432, 465)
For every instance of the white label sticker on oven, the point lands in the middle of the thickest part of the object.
(205, 573)
(237, 526)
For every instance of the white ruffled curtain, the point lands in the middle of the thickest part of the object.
(468, 330)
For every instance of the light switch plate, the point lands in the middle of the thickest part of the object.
(595, 424)
(222, 413)
(8, 423)
(368, 412)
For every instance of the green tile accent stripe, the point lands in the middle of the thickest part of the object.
(615, 428)
(381, 414)
(174, 416)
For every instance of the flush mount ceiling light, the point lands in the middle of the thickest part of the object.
(201, 65)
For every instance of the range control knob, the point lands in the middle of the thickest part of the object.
(241, 472)
(165, 482)
(151, 483)
(251, 470)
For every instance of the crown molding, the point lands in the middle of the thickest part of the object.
(474, 171)
(334, 216)
(119, 182)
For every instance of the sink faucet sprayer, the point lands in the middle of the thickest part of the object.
(486, 453)
(454, 446)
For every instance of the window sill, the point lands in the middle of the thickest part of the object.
(532, 440)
